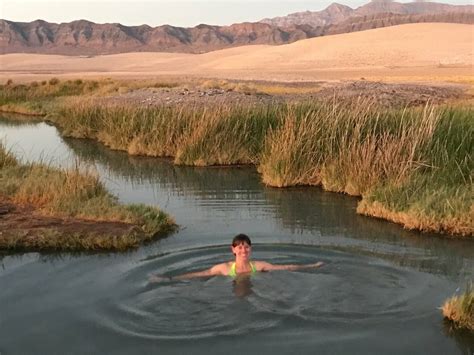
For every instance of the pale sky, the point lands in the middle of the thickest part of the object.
(184, 13)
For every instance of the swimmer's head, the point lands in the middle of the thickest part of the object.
(241, 238)
(244, 241)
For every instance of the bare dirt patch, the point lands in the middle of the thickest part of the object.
(396, 95)
(193, 96)
(23, 227)
(384, 94)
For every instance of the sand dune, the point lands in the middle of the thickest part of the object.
(425, 50)
(406, 45)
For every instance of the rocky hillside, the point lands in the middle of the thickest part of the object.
(367, 22)
(88, 38)
(336, 13)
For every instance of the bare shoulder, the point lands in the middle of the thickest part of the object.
(221, 269)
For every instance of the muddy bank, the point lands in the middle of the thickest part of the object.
(23, 227)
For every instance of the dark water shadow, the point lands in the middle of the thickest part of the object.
(242, 286)
(463, 337)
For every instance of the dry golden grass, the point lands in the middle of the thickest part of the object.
(20, 109)
(77, 195)
(417, 219)
(193, 135)
(257, 87)
(346, 148)
(460, 309)
(6, 157)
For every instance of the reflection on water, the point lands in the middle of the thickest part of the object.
(35, 142)
(378, 280)
(463, 338)
(206, 183)
(242, 286)
(330, 217)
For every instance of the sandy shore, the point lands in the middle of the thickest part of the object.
(413, 52)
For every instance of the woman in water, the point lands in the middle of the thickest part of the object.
(242, 249)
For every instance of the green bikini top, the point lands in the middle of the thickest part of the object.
(233, 272)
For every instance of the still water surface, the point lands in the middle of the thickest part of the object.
(379, 291)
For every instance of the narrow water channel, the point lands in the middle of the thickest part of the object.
(379, 291)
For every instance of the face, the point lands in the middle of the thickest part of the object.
(242, 251)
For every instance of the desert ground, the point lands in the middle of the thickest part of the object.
(426, 52)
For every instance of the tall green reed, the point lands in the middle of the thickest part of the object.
(412, 165)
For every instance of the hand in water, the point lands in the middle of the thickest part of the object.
(316, 265)
(158, 278)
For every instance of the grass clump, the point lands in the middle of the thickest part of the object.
(437, 193)
(39, 98)
(460, 309)
(193, 136)
(227, 135)
(53, 81)
(346, 148)
(7, 160)
(137, 130)
(15, 93)
(412, 167)
(74, 193)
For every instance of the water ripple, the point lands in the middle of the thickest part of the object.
(348, 289)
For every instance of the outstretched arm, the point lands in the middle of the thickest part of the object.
(264, 266)
(219, 269)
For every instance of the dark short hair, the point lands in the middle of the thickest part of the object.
(241, 238)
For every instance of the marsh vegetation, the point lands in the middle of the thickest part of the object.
(48, 208)
(410, 165)
(459, 309)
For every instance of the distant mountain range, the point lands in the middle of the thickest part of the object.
(336, 13)
(87, 38)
